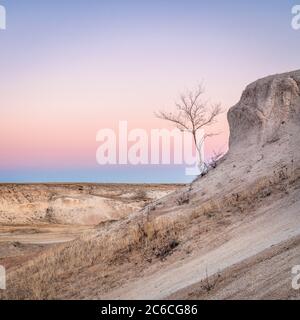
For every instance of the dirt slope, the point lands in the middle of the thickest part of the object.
(266, 275)
(271, 225)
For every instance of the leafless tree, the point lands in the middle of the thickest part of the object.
(193, 114)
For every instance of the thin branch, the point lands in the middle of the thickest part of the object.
(172, 118)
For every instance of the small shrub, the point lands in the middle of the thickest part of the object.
(141, 195)
(183, 199)
(266, 192)
(209, 284)
(166, 250)
(209, 214)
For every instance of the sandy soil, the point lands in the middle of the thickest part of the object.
(266, 275)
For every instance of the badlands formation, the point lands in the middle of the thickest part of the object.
(76, 204)
(234, 233)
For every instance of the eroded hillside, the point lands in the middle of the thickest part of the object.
(79, 204)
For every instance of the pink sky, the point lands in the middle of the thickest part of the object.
(60, 83)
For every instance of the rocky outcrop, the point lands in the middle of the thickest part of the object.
(269, 110)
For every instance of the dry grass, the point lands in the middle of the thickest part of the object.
(41, 277)
(144, 236)
(184, 198)
(140, 195)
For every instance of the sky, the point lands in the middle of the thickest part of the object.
(71, 68)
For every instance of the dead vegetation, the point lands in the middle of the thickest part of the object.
(140, 195)
(244, 200)
(184, 198)
(44, 274)
(166, 250)
(209, 283)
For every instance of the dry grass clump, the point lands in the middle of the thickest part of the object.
(140, 195)
(184, 198)
(209, 283)
(246, 199)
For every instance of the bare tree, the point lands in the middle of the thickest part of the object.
(192, 115)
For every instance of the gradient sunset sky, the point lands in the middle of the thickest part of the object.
(69, 68)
